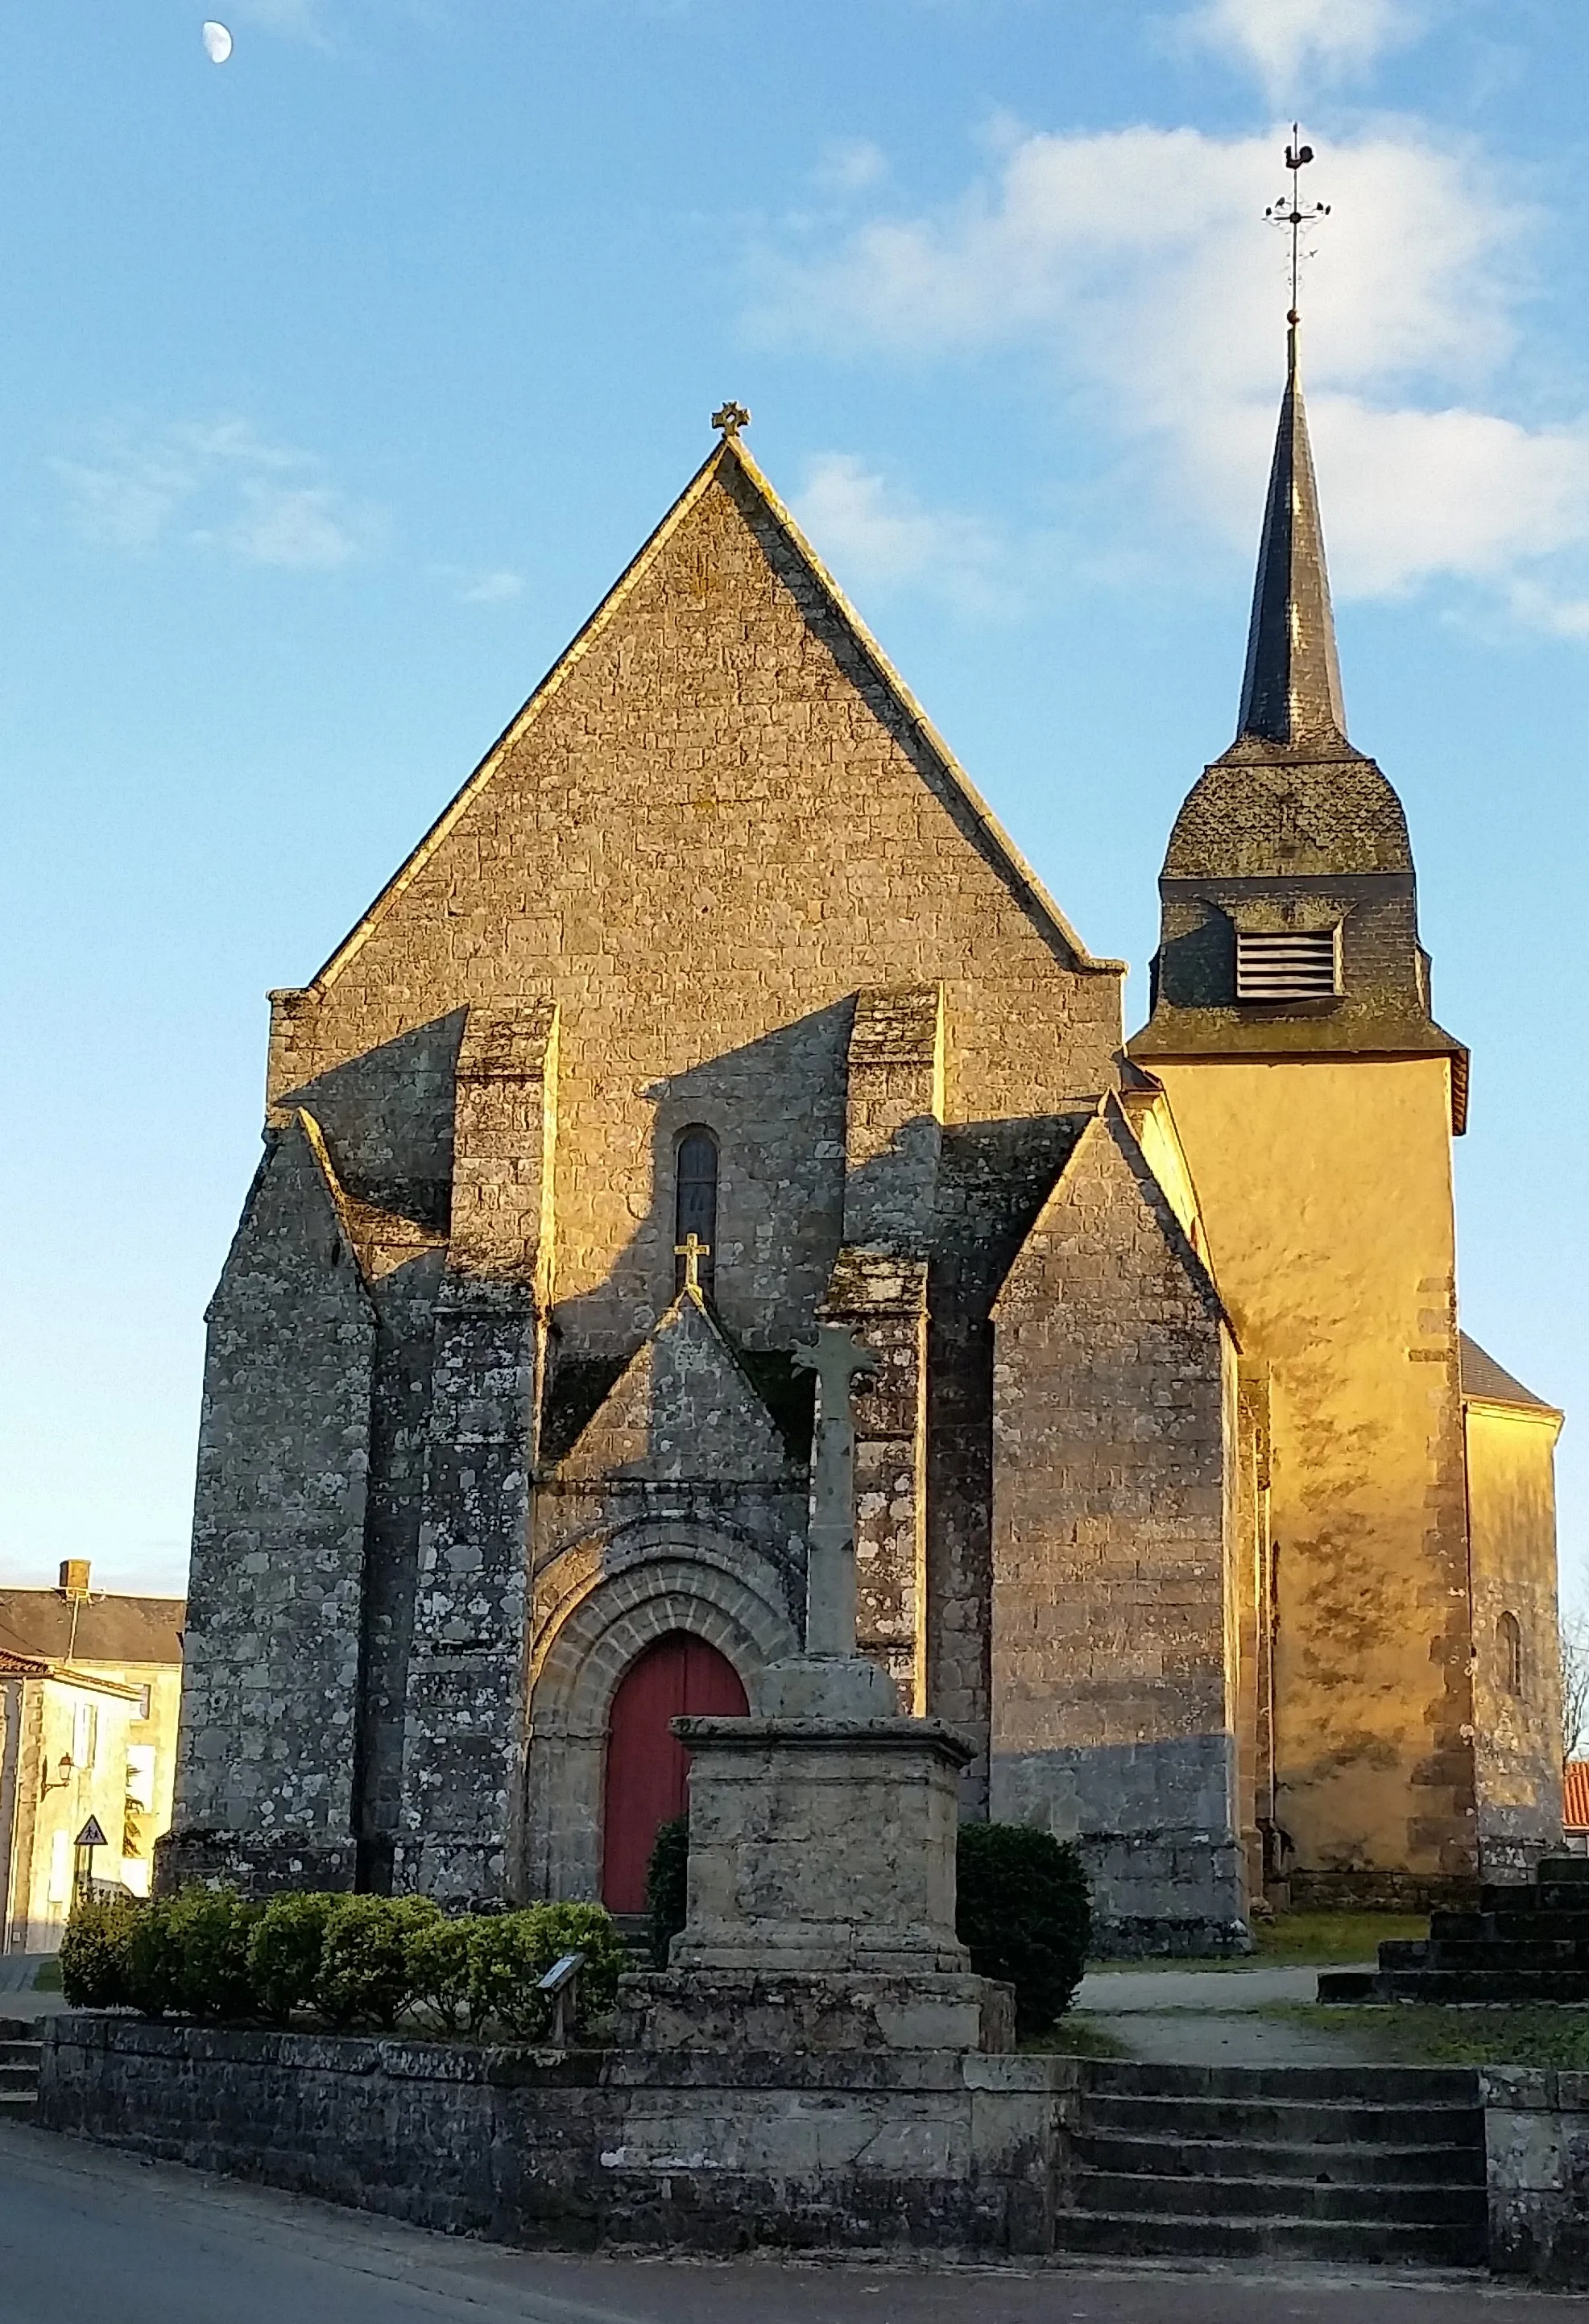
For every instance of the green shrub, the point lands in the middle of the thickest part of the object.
(439, 1965)
(154, 1968)
(512, 1951)
(208, 1931)
(667, 1883)
(94, 1952)
(284, 1953)
(364, 1976)
(1025, 1914)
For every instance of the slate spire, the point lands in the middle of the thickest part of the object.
(1292, 687)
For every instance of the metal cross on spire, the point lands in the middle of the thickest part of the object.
(1295, 213)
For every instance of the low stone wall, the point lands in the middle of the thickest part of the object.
(954, 2150)
(1536, 2146)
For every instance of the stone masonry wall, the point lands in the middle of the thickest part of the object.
(1114, 1518)
(463, 1769)
(270, 1706)
(947, 2149)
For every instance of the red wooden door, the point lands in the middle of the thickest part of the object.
(679, 1677)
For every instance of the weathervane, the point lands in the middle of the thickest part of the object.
(1295, 213)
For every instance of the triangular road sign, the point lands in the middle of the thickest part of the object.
(91, 1835)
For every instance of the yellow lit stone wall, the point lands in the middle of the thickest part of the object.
(1511, 1518)
(1325, 1189)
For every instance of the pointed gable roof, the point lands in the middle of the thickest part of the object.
(1292, 684)
(1485, 1382)
(682, 1407)
(1108, 1153)
(730, 463)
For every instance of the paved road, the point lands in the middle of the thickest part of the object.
(85, 2232)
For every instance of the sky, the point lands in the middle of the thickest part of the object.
(339, 381)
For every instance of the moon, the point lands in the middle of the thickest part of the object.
(217, 43)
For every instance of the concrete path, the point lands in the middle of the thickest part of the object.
(85, 2232)
(1206, 2017)
(17, 1998)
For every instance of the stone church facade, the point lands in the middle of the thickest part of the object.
(718, 1003)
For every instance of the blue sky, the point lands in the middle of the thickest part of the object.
(337, 383)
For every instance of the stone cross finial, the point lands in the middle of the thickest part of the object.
(730, 418)
(692, 1250)
(836, 1358)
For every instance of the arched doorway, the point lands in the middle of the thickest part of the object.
(680, 1677)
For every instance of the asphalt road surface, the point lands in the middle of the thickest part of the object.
(87, 2233)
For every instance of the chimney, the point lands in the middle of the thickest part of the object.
(74, 1580)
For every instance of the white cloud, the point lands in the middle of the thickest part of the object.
(1292, 44)
(293, 20)
(1163, 318)
(849, 165)
(490, 588)
(869, 531)
(214, 483)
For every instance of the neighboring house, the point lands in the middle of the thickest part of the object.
(1574, 1807)
(90, 1689)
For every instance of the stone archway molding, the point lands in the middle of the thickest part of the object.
(636, 1593)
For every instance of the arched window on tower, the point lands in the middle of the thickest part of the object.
(1509, 1641)
(695, 1207)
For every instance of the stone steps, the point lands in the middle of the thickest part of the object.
(21, 2052)
(635, 1929)
(1525, 1943)
(1347, 2242)
(1352, 2163)
(1347, 2165)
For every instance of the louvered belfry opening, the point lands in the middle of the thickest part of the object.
(1284, 965)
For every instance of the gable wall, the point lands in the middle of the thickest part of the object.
(708, 839)
(1115, 1567)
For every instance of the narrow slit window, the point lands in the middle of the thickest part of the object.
(1285, 965)
(694, 1208)
(1509, 1639)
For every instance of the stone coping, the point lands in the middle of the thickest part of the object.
(416, 2058)
(933, 1736)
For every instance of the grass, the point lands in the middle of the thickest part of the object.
(1415, 2034)
(47, 1977)
(1075, 2036)
(1321, 1940)
(1301, 1940)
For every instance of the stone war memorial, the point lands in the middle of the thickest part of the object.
(715, 1113)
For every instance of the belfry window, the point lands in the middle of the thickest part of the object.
(1509, 1644)
(695, 1206)
(1285, 965)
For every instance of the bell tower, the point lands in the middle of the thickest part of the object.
(1316, 1098)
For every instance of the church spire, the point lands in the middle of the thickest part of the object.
(1292, 686)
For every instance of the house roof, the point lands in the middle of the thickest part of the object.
(110, 1628)
(1575, 1796)
(1485, 1382)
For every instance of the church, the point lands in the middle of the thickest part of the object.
(716, 1004)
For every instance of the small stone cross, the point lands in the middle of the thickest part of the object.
(692, 1250)
(836, 1358)
(731, 417)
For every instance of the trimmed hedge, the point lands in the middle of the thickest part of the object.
(1024, 1911)
(1025, 1915)
(354, 1961)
